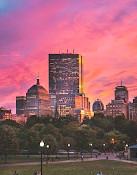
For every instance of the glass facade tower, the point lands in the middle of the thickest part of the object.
(65, 81)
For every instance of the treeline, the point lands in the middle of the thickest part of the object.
(104, 133)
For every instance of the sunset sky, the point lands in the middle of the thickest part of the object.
(103, 31)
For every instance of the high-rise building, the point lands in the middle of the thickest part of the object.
(121, 93)
(37, 101)
(65, 81)
(20, 105)
(119, 106)
(98, 106)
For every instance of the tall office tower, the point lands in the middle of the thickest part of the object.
(98, 106)
(65, 81)
(37, 101)
(121, 93)
(20, 105)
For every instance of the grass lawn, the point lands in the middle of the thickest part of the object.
(31, 158)
(108, 167)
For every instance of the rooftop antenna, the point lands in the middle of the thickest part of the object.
(38, 79)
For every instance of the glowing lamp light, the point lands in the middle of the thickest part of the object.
(41, 143)
(90, 144)
(112, 141)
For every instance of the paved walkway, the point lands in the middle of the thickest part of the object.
(102, 157)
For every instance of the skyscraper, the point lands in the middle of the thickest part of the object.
(37, 101)
(121, 93)
(118, 106)
(20, 105)
(65, 81)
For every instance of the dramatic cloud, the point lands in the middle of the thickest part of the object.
(103, 31)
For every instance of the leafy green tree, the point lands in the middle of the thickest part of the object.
(32, 120)
(9, 122)
(33, 140)
(8, 141)
(50, 129)
(53, 145)
(69, 129)
(130, 128)
(83, 137)
(119, 123)
(61, 121)
(116, 140)
(102, 122)
(67, 140)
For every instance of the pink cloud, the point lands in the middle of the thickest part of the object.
(104, 32)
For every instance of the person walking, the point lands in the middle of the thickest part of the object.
(15, 173)
(99, 173)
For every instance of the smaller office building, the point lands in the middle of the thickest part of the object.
(5, 114)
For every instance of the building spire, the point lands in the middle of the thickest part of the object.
(38, 79)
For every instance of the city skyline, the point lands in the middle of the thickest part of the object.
(104, 33)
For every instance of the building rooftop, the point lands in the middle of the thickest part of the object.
(37, 86)
(133, 147)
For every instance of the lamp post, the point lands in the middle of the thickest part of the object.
(90, 144)
(47, 152)
(68, 150)
(113, 142)
(126, 147)
(104, 146)
(41, 146)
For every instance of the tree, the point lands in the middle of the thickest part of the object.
(53, 145)
(12, 123)
(33, 140)
(116, 140)
(32, 120)
(8, 141)
(104, 123)
(67, 140)
(130, 128)
(83, 137)
(69, 129)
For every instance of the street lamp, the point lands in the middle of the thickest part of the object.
(41, 146)
(68, 149)
(113, 142)
(104, 146)
(90, 144)
(126, 147)
(47, 152)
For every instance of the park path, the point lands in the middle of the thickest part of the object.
(102, 157)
